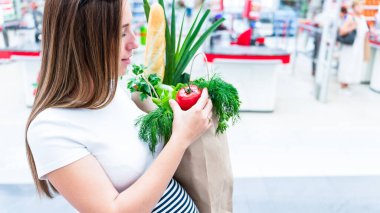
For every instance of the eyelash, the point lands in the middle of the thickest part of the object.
(123, 35)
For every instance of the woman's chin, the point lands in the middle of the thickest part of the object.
(122, 71)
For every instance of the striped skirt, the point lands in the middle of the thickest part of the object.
(175, 199)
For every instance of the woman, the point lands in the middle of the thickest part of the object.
(351, 59)
(81, 140)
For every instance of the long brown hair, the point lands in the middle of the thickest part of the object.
(80, 60)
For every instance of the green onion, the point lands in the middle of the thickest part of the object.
(178, 56)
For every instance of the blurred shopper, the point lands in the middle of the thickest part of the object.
(31, 23)
(342, 16)
(3, 28)
(351, 60)
(27, 21)
(222, 26)
(26, 29)
(317, 44)
(319, 20)
(252, 11)
(37, 19)
(189, 7)
(317, 35)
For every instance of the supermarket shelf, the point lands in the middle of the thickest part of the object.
(370, 18)
(370, 7)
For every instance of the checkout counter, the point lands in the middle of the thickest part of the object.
(374, 64)
(29, 60)
(252, 70)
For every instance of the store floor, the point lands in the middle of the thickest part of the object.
(307, 156)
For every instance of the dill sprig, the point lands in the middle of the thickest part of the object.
(225, 100)
(155, 127)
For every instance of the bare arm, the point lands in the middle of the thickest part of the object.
(348, 26)
(86, 186)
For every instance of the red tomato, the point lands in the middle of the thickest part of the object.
(186, 97)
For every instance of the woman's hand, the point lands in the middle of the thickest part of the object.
(191, 124)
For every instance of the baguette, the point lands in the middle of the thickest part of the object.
(155, 42)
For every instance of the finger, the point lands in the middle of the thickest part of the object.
(209, 115)
(208, 106)
(210, 124)
(174, 105)
(202, 100)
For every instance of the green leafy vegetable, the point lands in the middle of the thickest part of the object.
(225, 100)
(157, 125)
(141, 84)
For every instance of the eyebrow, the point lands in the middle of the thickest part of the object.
(125, 25)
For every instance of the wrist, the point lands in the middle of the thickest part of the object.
(179, 142)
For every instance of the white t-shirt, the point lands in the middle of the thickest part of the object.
(58, 137)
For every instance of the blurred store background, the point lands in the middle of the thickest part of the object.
(309, 136)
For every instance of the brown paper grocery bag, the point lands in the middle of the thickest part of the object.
(206, 174)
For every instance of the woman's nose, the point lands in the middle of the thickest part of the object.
(132, 44)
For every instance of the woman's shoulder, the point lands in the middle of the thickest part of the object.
(56, 115)
(56, 121)
(349, 18)
(55, 141)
